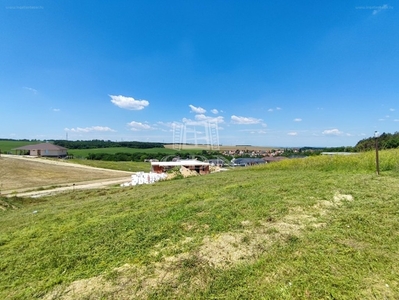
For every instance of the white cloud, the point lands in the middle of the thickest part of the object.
(203, 120)
(396, 120)
(90, 129)
(202, 117)
(30, 89)
(392, 109)
(56, 109)
(244, 120)
(273, 109)
(128, 102)
(297, 120)
(137, 126)
(292, 133)
(332, 132)
(197, 110)
(214, 111)
(260, 131)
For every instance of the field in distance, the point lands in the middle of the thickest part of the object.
(31, 173)
(223, 148)
(86, 152)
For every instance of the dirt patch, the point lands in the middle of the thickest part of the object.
(18, 174)
(378, 288)
(221, 251)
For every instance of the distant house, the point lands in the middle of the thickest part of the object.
(216, 162)
(194, 165)
(42, 150)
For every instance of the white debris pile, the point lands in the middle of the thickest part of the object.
(145, 178)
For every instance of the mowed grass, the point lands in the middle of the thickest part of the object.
(86, 152)
(128, 166)
(200, 147)
(7, 146)
(299, 229)
(18, 174)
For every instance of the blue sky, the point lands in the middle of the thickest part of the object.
(268, 73)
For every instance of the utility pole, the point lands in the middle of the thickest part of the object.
(377, 161)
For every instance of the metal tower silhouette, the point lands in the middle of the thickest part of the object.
(187, 133)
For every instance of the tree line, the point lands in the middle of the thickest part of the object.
(385, 141)
(95, 144)
(142, 156)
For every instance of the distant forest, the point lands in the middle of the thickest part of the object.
(385, 141)
(95, 144)
(142, 156)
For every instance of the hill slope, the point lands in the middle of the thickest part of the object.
(316, 228)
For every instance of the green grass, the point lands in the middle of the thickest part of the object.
(6, 146)
(128, 166)
(294, 240)
(85, 152)
(358, 163)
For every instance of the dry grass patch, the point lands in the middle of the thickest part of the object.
(222, 251)
(17, 174)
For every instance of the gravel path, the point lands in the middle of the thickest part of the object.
(45, 190)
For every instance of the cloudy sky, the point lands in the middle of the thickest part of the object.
(271, 73)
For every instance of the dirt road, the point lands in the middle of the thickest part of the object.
(36, 177)
(81, 186)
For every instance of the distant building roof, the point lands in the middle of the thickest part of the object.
(190, 162)
(273, 158)
(247, 160)
(338, 153)
(42, 146)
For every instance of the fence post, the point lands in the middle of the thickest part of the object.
(377, 160)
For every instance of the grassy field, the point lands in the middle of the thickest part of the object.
(6, 146)
(19, 174)
(128, 166)
(223, 148)
(315, 228)
(85, 152)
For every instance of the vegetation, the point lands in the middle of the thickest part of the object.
(385, 141)
(7, 145)
(115, 165)
(316, 228)
(142, 156)
(95, 144)
(22, 174)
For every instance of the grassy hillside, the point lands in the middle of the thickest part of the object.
(128, 166)
(6, 146)
(27, 174)
(85, 152)
(316, 228)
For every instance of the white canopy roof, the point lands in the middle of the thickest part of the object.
(189, 162)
